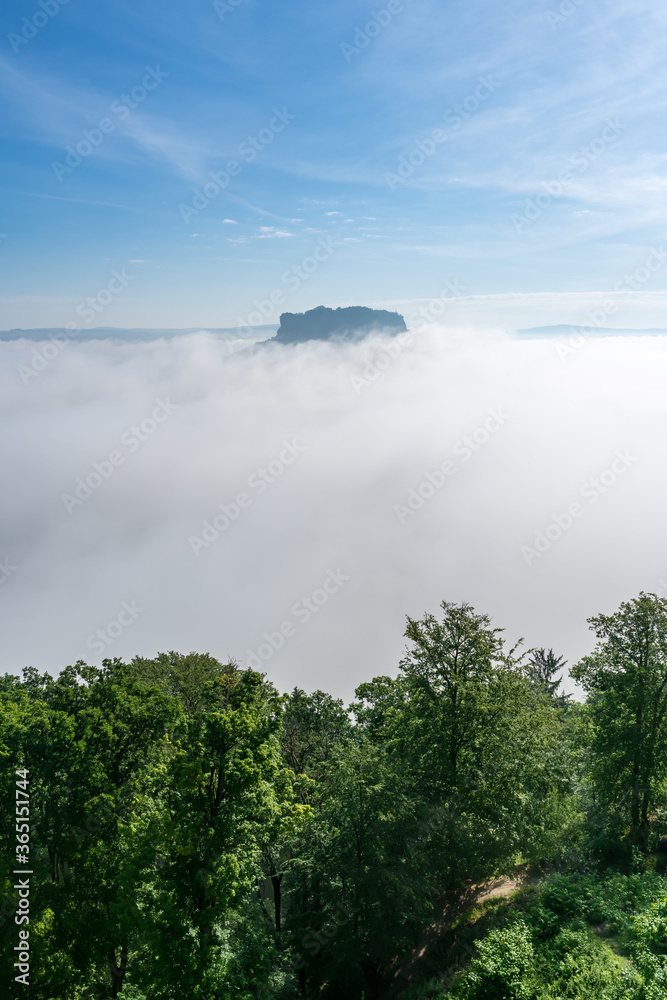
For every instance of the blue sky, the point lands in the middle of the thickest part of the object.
(577, 87)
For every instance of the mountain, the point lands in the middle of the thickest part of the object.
(323, 323)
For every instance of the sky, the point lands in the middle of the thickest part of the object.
(514, 150)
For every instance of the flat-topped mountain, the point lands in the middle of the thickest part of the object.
(323, 323)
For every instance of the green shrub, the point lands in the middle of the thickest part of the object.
(576, 965)
(503, 967)
(560, 947)
(657, 988)
(650, 926)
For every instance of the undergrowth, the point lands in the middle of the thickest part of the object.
(593, 936)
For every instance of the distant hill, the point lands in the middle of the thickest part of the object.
(323, 323)
(133, 335)
(587, 330)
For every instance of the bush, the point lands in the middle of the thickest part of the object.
(650, 927)
(577, 965)
(503, 968)
(557, 949)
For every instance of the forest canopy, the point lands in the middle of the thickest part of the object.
(193, 832)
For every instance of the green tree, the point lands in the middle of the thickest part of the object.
(91, 736)
(626, 682)
(227, 800)
(486, 757)
(543, 667)
(359, 897)
(156, 790)
(185, 677)
(313, 724)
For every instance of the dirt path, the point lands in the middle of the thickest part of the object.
(451, 909)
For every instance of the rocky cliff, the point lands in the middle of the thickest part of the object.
(323, 323)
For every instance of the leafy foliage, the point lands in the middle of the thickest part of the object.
(195, 833)
(626, 679)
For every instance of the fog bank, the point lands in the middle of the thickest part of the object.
(289, 505)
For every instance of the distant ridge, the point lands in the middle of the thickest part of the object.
(323, 323)
(130, 335)
(588, 330)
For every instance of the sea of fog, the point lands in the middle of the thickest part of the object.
(288, 506)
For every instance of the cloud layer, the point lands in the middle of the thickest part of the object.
(289, 505)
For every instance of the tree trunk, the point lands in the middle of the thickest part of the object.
(644, 825)
(275, 882)
(117, 971)
(634, 802)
